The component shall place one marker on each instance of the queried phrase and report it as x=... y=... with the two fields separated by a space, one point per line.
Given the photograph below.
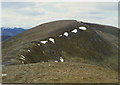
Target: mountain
x=53 y=41
x=10 y=32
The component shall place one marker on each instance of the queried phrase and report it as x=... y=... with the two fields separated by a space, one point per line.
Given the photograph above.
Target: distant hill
x=98 y=44
x=10 y=32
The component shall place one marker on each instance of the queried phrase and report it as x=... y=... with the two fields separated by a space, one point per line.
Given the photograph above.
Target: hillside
x=97 y=44
x=53 y=72
x=60 y=42
x=40 y=32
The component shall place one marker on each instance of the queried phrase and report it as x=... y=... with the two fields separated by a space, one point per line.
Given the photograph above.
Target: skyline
x=31 y=14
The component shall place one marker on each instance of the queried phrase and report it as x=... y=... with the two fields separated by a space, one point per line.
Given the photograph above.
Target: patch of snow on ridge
x=66 y=34
x=28 y=50
x=56 y=61
x=38 y=44
x=44 y=42
x=4 y=75
x=82 y=28
x=61 y=59
x=74 y=31
x=22 y=56
x=60 y=35
x=52 y=40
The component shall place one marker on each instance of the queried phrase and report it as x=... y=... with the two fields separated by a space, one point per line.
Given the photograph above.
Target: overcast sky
x=30 y=14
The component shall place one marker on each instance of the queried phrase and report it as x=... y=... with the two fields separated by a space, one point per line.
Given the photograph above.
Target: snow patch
x=38 y=44
x=82 y=28
x=44 y=42
x=52 y=40
x=22 y=56
x=28 y=50
x=56 y=61
x=60 y=35
x=74 y=31
x=61 y=59
x=3 y=75
x=66 y=34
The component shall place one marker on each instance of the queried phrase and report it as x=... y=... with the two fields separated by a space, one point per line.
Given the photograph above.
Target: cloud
x=107 y=6
x=30 y=14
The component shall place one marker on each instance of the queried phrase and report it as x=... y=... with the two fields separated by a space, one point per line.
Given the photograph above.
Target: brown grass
x=52 y=72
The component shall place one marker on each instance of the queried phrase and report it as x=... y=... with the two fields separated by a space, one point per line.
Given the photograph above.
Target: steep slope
x=12 y=46
x=97 y=44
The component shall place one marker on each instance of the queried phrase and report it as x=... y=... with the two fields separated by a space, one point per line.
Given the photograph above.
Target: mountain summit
x=64 y=40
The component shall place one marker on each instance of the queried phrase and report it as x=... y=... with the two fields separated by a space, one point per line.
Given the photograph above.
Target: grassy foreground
x=58 y=72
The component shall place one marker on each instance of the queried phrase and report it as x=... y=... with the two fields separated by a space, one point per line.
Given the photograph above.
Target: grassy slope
x=97 y=46
x=37 y=33
x=81 y=47
x=51 y=72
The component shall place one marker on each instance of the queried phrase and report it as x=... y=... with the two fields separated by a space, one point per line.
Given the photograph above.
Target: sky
x=31 y=14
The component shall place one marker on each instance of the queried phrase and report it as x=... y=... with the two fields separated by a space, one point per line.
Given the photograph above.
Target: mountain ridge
x=96 y=36
x=7 y=32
